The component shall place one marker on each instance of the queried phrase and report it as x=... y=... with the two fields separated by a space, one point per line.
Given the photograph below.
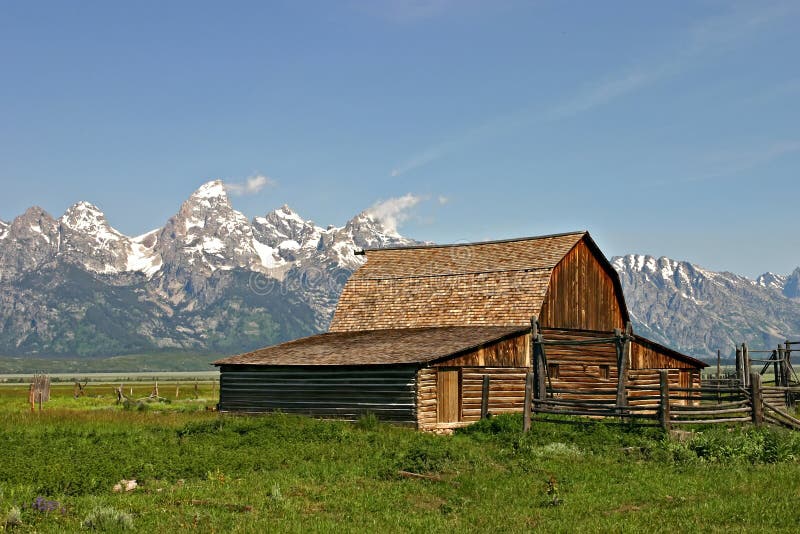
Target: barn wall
x=340 y=392
x=506 y=393
x=645 y=356
x=582 y=294
x=513 y=352
x=506 y=390
x=677 y=378
x=580 y=366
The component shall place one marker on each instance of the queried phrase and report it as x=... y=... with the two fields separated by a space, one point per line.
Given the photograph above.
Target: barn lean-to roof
x=488 y=283
x=376 y=347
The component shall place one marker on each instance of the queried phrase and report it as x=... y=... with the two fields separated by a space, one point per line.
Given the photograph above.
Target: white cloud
x=391 y=213
x=251 y=186
x=443 y=200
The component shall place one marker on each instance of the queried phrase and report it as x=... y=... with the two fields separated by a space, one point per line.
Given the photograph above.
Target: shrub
x=368 y=421
x=427 y=456
x=13 y=518
x=105 y=518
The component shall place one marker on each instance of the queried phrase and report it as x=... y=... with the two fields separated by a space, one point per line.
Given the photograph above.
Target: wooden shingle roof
x=375 y=347
x=490 y=283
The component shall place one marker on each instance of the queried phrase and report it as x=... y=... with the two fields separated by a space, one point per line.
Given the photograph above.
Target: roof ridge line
x=444 y=275
x=490 y=242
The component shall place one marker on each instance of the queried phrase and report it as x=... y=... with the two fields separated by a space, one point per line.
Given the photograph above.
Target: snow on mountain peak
x=771 y=280
x=87 y=218
x=211 y=191
x=3 y=229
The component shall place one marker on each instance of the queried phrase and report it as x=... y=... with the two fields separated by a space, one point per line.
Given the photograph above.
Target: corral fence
x=656 y=399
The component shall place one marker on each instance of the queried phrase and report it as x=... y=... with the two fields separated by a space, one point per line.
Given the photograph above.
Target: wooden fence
x=657 y=400
x=667 y=406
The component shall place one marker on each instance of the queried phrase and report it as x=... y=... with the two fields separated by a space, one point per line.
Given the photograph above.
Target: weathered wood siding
x=582 y=294
x=648 y=357
x=513 y=352
x=340 y=392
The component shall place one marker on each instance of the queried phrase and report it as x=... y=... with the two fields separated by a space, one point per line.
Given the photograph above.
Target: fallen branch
x=409 y=474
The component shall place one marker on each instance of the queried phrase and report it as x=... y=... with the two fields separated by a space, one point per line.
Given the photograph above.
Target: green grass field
x=199 y=470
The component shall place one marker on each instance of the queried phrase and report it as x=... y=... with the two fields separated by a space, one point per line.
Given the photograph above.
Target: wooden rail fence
x=741 y=399
x=668 y=406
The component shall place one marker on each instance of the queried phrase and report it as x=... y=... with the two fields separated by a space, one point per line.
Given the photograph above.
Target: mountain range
x=212 y=280
x=209 y=280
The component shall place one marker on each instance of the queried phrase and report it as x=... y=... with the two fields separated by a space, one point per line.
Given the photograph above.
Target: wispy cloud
x=394 y=211
x=729 y=163
x=251 y=186
x=704 y=39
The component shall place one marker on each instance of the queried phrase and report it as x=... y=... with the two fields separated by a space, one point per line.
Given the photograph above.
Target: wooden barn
x=418 y=328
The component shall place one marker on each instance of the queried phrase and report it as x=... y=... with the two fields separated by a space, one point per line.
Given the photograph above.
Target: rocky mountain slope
x=212 y=280
x=209 y=279
x=699 y=311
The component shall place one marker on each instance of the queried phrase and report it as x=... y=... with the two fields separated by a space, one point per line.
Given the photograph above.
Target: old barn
x=417 y=329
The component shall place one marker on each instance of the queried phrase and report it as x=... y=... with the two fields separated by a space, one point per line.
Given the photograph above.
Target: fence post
x=787 y=353
x=739 y=366
x=777 y=368
x=756 y=399
x=526 y=412
x=623 y=345
x=663 y=406
x=485 y=397
x=781 y=357
x=746 y=363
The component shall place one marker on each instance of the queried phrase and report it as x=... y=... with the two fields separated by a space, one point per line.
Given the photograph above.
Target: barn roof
x=376 y=347
x=461 y=284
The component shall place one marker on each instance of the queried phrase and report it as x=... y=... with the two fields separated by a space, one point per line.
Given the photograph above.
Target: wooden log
x=782 y=413
x=527 y=404
x=539 y=369
x=623 y=351
x=713 y=421
x=596 y=413
x=756 y=398
x=737 y=404
x=677 y=413
x=739 y=366
x=409 y=474
x=663 y=413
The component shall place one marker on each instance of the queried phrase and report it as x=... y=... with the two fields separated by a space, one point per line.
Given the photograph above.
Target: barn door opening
x=448 y=392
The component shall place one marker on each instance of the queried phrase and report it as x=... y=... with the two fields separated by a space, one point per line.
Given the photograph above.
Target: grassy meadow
x=200 y=470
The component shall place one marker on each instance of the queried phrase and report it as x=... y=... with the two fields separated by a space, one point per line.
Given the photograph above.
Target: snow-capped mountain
x=209 y=279
x=699 y=311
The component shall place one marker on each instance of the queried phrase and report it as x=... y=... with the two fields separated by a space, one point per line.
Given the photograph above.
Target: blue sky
x=668 y=128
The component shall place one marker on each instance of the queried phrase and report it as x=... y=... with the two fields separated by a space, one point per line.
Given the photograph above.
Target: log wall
x=506 y=393
x=580 y=367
